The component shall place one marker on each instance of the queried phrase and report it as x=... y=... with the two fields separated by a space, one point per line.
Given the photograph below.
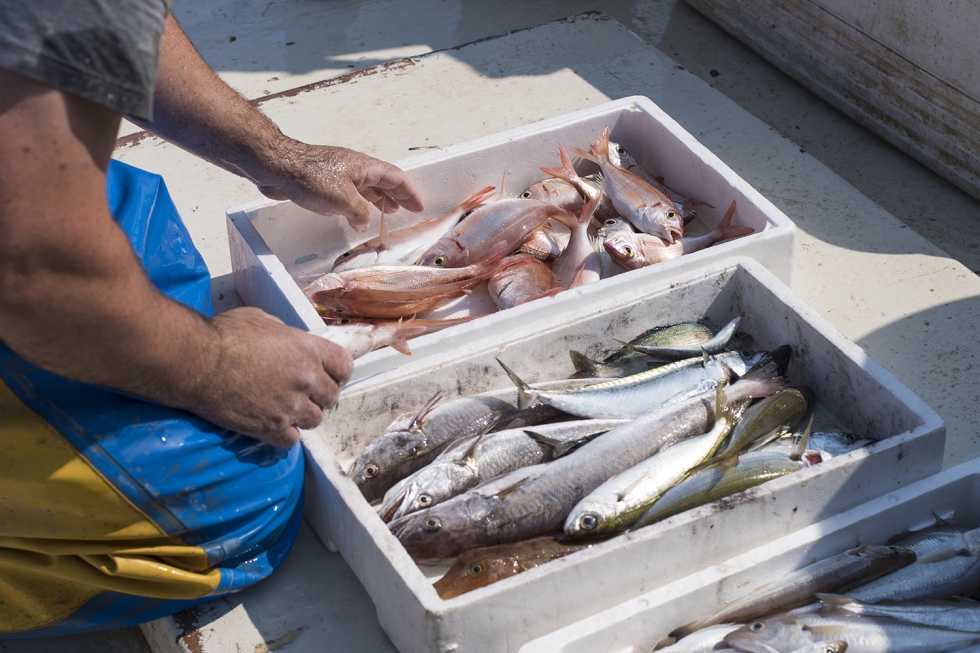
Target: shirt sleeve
x=105 y=51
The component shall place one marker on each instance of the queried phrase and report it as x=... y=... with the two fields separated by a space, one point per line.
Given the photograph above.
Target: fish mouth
x=391 y=511
x=672 y=231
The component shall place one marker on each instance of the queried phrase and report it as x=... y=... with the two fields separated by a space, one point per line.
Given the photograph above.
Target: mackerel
x=862 y=635
x=617 y=503
x=469 y=461
x=718 y=482
x=634 y=395
x=628 y=360
x=536 y=500
x=956 y=615
x=797 y=588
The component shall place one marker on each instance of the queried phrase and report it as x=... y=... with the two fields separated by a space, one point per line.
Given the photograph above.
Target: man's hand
x=269 y=380
x=338 y=181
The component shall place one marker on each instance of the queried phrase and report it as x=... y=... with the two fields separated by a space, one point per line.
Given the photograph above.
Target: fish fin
x=503 y=183
x=467 y=458
x=494 y=255
x=601 y=147
x=560 y=447
x=583 y=364
x=940 y=521
x=804 y=441
x=577 y=151
x=383 y=234
x=833 y=602
x=684 y=631
x=524 y=393
x=424 y=411
x=579 y=278
x=475 y=200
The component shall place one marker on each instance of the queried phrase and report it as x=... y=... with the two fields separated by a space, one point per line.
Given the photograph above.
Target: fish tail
x=524 y=393
x=726 y=229
x=566 y=171
x=577 y=151
x=584 y=365
x=476 y=200
x=601 y=147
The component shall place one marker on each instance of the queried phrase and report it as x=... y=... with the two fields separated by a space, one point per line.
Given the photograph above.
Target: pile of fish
x=907 y=597
x=620 y=218
x=671 y=420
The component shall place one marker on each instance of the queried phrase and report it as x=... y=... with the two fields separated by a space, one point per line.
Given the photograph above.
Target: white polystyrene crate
x=277 y=247
x=853 y=393
x=635 y=626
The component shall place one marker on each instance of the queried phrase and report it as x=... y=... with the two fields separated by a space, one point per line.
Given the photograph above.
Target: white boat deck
x=886 y=251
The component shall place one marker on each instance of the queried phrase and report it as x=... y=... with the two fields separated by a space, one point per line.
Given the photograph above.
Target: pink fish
x=632 y=250
x=521 y=278
x=641 y=203
x=508 y=220
x=405 y=246
x=579 y=263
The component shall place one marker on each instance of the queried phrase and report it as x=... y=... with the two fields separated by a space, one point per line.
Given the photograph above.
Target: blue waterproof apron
x=114 y=510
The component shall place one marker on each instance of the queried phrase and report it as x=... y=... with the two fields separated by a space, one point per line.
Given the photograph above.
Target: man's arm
x=194 y=109
x=75 y=300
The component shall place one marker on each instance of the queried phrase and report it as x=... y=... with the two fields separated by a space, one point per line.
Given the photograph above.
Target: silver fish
x=628 y=360
x=862 y=635
x=700 y=641
x=798 y=587
x=469 y=461
x=536 y=500
x=717 y=482
x=616 y=504
x=715 y=345
x=406 y=447
x=634 y=395
x=957 y=615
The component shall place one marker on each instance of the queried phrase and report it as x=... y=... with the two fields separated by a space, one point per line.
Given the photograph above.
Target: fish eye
x=432 y=524
x=526 y=194
x=475 y=569
x=671 y=214
x=628 y=250
x=338 y=310
x=610 y=222
x=745 y=352
x=439 y=260
x=345 y=255
x=620 y=149
x=588 y=521
x=345 y=320
x=371 y=470
x=757 y=627
x=424 y=499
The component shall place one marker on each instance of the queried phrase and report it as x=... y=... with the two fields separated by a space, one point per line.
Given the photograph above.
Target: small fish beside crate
x=853 y=393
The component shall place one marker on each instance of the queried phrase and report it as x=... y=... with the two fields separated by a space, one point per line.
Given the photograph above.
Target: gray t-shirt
x=105 y=51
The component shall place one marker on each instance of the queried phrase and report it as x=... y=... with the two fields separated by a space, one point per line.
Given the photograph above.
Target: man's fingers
x=287 y=438
x=336 y=360
x=309 y=416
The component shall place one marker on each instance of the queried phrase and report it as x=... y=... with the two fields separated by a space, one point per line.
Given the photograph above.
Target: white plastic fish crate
x=277 y=247
x=635 y=626
x=853 y=392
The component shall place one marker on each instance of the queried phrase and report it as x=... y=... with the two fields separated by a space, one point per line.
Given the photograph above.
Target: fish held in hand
x=405 y=246
x=507 y=221
x=359 y=339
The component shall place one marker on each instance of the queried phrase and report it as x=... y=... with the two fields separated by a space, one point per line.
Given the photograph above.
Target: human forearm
x=74 y=298
x=196 y=110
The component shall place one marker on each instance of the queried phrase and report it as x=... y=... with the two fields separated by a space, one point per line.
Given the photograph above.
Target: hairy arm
x=74 y=298
x=194 y=109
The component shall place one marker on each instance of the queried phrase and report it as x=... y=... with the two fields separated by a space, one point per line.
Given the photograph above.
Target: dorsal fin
x=383 y=234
